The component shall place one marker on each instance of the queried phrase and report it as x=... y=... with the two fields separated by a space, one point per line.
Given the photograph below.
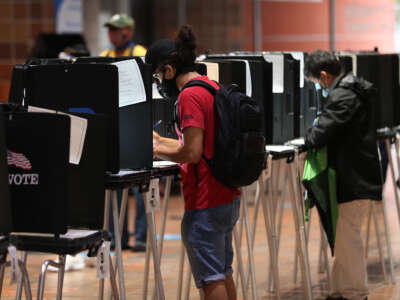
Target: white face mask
x=325 y=92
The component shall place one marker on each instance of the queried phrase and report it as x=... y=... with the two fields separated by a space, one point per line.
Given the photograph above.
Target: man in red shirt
x=211 y=208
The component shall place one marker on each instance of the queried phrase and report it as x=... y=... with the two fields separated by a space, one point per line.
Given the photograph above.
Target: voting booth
x=119 y=88
x=5 y=208
x=383 y=71
x=279 y=86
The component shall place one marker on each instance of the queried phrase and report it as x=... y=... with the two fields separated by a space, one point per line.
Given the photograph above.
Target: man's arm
x=170 y=149
x=332 y=120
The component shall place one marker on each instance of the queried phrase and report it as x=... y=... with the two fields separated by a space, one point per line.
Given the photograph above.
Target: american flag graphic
x=19 y=160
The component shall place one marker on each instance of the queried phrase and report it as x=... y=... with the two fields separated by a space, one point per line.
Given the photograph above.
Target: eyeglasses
x=157 y=79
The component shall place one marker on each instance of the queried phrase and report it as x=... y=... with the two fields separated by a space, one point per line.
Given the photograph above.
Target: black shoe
x=123 y=247
x=340 y=298
x=139 y=248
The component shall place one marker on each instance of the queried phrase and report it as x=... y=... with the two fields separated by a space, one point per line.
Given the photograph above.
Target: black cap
x=158 y=52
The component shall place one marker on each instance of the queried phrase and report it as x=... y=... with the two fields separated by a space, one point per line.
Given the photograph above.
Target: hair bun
x=185 y=44
x=186 y=39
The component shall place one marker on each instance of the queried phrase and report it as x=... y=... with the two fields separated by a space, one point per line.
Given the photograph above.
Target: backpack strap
x=203 y=84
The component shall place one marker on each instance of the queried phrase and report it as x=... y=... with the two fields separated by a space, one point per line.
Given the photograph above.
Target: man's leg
x=230 y=288
x=349 y=267
x=140 y=222
x=216 y=291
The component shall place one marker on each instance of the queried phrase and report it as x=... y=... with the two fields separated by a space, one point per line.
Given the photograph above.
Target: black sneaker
x=340 y=298
x=139 y=248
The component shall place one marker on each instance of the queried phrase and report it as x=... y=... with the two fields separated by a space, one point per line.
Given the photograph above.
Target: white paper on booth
x=249 y=91
x=77 y=135
x=278 y=148
x=163 y=163
x=277 y=71
x=300 y=56
x=130 y=83
x=212 y=70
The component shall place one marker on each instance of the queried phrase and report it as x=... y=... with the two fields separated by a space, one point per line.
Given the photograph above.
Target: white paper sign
x=130 y=83
x=15 y=270
x=279 y=148
x=77 y=134
x=277 y=71
x=163 y=163
x=69 y=16
x=300 y=56
x=103 y=261
x=153 y=196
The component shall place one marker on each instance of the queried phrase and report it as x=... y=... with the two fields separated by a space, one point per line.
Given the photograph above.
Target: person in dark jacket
x=346 y=127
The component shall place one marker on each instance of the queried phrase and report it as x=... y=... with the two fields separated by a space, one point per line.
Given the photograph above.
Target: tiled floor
x=83 y=285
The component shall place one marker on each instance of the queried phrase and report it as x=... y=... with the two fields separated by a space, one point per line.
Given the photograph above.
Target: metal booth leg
x=60 y=282
x=146 y=268
x=267 y=211
x=118 y=249
x=300 y=233
x=167 y=193
x=20 y=280
x=156 y=263
x=391 y=165
x=240 y=261
x=249 y=246
x=113 y=282
x=42 y=277
x=2 y=268
x=25 y=279
x=180 y=273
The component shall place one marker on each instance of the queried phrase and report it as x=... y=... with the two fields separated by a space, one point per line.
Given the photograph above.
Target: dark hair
x=321 y=60
x=184 y=56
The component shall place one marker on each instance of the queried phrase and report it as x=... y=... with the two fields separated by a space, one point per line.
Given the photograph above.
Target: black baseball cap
x=158 y=52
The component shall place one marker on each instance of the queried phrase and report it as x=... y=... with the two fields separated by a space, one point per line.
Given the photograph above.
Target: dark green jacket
x=346 y=126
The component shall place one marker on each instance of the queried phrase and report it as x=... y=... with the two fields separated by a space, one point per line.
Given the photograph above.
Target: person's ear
x=169 y=72
x=323 y=76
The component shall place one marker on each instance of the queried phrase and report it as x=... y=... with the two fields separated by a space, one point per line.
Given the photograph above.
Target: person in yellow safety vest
x=120 y=32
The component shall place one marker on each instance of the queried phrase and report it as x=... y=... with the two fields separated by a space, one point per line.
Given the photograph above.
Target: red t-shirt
x=196 y=109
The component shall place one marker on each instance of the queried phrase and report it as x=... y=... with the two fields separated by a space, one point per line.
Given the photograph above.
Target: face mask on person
x=325 y=92
x=167 y=87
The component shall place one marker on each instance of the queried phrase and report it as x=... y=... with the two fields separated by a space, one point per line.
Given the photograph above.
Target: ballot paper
x=296 y=142
x=212 y=70
x=130 y=83
x=277 y=71
x=278 y=148
x=77 y=136
x=163 y=163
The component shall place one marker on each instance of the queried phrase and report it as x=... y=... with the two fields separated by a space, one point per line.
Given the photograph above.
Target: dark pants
x=140 y=220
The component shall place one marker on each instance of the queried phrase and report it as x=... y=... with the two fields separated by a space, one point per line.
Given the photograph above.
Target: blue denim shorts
x=207 y=236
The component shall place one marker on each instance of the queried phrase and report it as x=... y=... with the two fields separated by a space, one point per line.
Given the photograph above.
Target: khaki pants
x=349 y=273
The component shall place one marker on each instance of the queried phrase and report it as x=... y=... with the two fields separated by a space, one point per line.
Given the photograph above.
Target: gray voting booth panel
x=282 y=109
x=49 y=193
x=5 y=206
x=92 y=84
x=38 y=149
x=383 y=71
x=135 y=121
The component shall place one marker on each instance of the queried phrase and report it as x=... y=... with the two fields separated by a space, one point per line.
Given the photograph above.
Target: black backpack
x=239 y=143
